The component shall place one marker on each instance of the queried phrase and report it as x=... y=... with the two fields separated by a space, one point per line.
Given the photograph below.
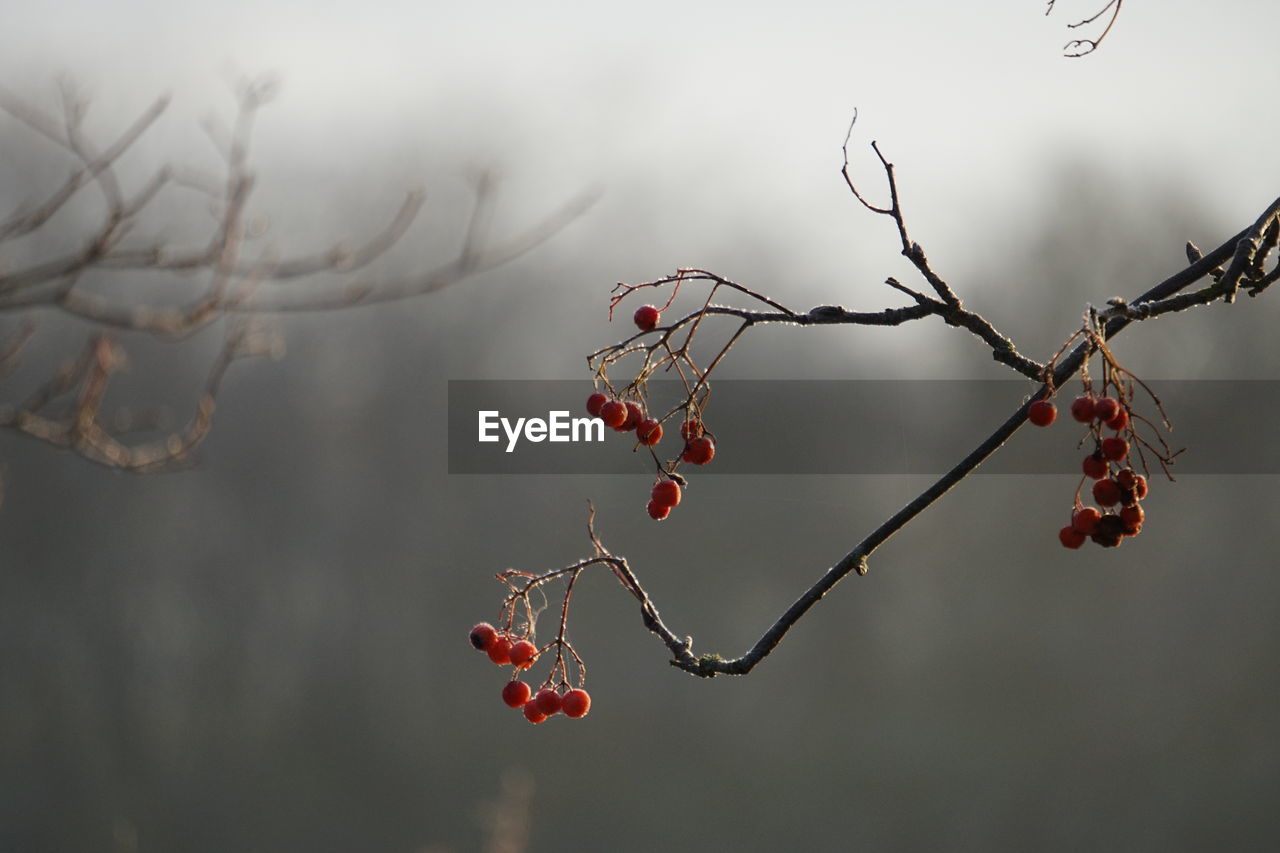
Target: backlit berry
x=1070 y=537
x=576 y=703
x=594 y=403
x=483 y=636
x=646 y=317
x=1042 y=413
x=1127 y=478
x=635 y=415
x=516 y=693
x=548 y=701
x=1106 y=493
x=523 y=654
x=500 y=651
x=1085 y=519
x=1095 y=467
x=649 y=431
x=1140 y=487
x=657 y=511
x=666 y=493
x=532 y=713
x=1132 y=516
x=691 y=429
x=613 y=413
x=1119 y=422
x=1082 y=409
x=700 y=451
x=1115 y=448
x=1106 y=408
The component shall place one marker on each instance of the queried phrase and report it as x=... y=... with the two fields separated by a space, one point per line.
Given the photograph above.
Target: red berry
x=1119 y=422
x=594 y=402
x=1070 y=537
x=1115 y=448
x=635 y=415
x=576 y=703
x=548 y=701
x=1132 y=516
x=532 y=713
x=666 y=493
x=483 y=636
x=1042 y=413
x=649 y=431
x=1085 y=519
x=1109 y=532
x=646 y=317
x=613 y=413
x=1127 y=478
x=1082 y=409
x=657 y=511
x=523 y=654
x=1140 y=487
x=1106 y=408
x=515 y=693
x=1095 y=467
x=700 y=451
x=691 y=429
x=1106 y=493
x=500 y=651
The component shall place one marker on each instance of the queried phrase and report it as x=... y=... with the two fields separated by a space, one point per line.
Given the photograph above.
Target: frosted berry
x=594 y=403
x=646 y=317
x=700 y=451
x=483 y=636
x=649 y=431
x=532 y=713
x=1085 y=519
x=657 y=511
x=691 y=429
x=576 y=703
x=523 y=654
x=1082 y=409
x=666 y=493
x=548 y=701
x=1106 y=493
x=516 y=693
x=500 y=651
x=613 y=413
x=1070 y=537
x=1095 y=467
x=1042 y=413
x=635 y=415
x=1106 y=408
x=1115 y=448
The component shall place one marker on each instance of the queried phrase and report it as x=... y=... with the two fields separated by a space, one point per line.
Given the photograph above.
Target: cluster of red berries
x=625 y=417
x=699 y=449
x=522 y=654
x=1117 y=488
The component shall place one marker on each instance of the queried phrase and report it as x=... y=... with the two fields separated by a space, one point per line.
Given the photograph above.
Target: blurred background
x=268 y=652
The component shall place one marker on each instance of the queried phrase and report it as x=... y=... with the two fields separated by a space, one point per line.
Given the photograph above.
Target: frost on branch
x=668 y=340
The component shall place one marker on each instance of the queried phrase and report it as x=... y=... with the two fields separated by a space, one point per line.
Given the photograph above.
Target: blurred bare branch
x=232 y=291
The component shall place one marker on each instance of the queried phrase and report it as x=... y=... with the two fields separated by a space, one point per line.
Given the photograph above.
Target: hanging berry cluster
x=513 y=642
x=1113 y=440
x=625 y=409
